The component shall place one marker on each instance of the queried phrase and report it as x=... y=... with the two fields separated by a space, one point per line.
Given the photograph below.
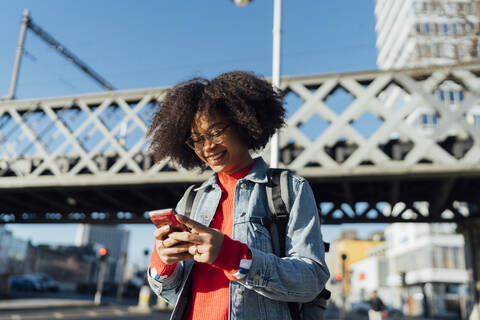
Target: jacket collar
x=257 y=174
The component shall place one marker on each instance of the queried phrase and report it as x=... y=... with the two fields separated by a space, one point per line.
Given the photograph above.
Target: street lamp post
x=277 y=35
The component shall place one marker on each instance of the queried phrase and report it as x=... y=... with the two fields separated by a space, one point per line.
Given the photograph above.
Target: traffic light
x=103 y=252
x=338 y=277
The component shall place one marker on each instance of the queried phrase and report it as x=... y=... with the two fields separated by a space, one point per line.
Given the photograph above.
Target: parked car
x=362 y=307
x=33 y=282
x=23 y=283
x=47 y=283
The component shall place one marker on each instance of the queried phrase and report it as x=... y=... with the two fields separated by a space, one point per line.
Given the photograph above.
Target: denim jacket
x=271 y=281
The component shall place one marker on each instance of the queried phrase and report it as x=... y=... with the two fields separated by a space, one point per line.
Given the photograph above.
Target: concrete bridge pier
x=471 y=231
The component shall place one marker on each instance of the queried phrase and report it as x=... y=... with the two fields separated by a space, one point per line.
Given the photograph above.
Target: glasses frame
x=216 y=138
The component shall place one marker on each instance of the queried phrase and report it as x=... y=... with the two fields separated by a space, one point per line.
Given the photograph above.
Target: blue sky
x=150 y=43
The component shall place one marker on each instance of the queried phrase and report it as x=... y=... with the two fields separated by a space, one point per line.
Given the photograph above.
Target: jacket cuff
x=234 y=259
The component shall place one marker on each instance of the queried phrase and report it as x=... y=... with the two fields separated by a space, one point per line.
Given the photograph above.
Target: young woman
x=227 y=253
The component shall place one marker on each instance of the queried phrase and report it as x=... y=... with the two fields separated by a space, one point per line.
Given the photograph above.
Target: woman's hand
x=204 y=243
x=168 y=249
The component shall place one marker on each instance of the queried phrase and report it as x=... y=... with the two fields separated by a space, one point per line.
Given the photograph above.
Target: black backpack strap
x=277 y=222
x=279 y=205
x=189 y=198
x=192 y=196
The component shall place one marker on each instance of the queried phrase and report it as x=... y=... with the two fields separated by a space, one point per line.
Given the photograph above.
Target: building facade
x=114 y=239
x=371 y=274
x=422 y=33
x=345 y=251
x=427 y=267
x=13 y=251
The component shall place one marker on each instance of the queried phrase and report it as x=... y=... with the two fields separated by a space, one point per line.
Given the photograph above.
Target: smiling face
x=227 y=153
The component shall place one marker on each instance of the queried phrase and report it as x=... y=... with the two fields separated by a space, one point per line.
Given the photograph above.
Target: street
x=80 y=313
x=61 y=305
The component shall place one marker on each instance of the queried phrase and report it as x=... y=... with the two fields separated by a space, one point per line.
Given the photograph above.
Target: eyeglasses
x=215 y=136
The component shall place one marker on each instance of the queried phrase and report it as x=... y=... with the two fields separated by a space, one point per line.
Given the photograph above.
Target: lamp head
x=241 y=3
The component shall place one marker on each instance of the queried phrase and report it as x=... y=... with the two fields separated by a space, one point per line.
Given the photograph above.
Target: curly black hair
x=248 y=101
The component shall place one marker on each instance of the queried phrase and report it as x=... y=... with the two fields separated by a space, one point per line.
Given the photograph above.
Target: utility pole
x=18 y=57
x=344 y=286
x=27 y=23
x=123 y=262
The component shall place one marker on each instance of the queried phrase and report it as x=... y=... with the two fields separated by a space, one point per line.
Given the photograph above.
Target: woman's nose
x=208 y=144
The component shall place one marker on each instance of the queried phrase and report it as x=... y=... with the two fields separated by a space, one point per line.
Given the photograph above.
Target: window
x=447 y=257
x=424 y=50
x=437 y=257
x=428 y=120
x=425 y=7
x=469 y=27
x=418 y=7
x=426 y=28
x=438 y=49
x=451 y=94
x=441 y=95
x=476 y=120
x=445 y=28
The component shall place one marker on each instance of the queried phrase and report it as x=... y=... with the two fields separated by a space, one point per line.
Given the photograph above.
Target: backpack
x=279 y=205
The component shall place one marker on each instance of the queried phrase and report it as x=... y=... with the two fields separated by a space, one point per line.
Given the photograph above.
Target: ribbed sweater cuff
x=158 y=269
x=234 y=259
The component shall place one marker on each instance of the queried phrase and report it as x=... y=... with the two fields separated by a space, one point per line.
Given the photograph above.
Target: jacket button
x=256 y=277
x=243 y=186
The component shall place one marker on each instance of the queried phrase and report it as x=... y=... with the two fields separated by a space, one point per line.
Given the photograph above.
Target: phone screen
x=165 y=216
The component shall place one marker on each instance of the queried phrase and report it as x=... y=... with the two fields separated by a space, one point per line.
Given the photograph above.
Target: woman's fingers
x=204 y=243
x=187 y=237
x=192 y=224
x=162 y=232
x=171 y=259
x=173 y=254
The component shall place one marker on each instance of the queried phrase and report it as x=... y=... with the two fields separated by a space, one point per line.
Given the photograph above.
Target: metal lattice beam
x=76 y=156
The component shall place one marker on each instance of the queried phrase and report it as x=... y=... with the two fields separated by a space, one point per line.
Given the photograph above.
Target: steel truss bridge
x=355 y=137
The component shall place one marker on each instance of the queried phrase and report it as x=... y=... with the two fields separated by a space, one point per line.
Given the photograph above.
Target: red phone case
x=164 y=216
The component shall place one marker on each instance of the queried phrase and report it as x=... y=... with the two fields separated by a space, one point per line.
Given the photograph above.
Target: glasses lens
x=213 y=137
x=190 y=143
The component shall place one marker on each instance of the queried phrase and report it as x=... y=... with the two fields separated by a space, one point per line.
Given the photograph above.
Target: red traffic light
x=338 y=277
x=102 y=252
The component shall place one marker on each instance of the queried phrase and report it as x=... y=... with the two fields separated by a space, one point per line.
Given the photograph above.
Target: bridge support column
x=471 y=232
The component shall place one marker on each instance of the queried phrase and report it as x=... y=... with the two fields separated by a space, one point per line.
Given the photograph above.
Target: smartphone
x=166 y=216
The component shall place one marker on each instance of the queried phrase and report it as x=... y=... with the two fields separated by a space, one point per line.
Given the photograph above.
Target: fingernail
x=165 y=228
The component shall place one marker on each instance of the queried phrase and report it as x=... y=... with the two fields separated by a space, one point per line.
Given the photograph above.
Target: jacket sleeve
x=169 y=287
x=302 y=274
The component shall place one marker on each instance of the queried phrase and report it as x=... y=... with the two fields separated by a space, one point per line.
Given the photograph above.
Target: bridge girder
x=84 y=158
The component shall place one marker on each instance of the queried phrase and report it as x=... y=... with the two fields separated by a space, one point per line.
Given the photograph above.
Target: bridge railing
x=382 y=119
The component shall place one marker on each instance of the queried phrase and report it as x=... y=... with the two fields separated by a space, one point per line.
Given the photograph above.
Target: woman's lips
x=216 y=157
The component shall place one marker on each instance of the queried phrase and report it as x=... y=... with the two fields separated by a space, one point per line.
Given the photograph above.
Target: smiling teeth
x=216 y=156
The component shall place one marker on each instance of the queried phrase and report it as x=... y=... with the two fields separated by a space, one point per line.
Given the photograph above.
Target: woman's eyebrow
x=215 y=125
x=210 y=127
